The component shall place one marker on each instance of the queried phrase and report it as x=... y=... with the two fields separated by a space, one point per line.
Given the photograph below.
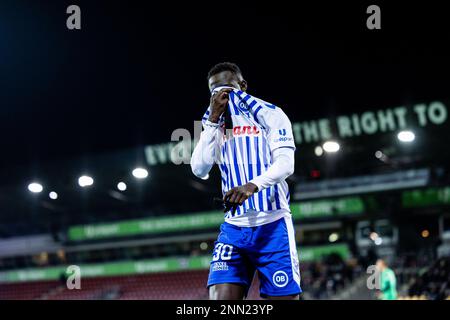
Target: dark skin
x=237 y=195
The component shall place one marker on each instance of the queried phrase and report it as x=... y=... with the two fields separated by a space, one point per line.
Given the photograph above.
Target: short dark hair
x=224 y=66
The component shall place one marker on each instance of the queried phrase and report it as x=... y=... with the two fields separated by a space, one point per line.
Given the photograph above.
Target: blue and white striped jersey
x=245 y=151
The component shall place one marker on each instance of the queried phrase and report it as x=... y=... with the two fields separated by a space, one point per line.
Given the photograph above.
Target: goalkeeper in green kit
x=388 y=281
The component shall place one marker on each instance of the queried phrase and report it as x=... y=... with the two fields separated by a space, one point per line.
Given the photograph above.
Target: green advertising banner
x=204 y=220
x=426 y=197
x=306 y=254
x=327 y=208
x=147 y=226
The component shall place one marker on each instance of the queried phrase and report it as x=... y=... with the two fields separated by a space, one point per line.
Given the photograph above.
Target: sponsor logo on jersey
x=245 y=130
x=219 y=266
x=283 y=139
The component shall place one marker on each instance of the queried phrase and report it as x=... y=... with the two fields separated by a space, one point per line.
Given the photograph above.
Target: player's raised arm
x=204 y=155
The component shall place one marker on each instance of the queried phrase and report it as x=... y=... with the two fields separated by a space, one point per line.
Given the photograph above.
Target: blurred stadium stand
x=432 y=282
x=176 y=286
x=189 y=285
x=330 y=279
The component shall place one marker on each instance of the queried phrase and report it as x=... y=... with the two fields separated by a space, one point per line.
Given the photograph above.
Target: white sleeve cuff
x=258 y=183
x=209 y=124
x=209 y=131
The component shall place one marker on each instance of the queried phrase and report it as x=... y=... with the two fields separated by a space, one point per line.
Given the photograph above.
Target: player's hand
x=236 y=196
x=218 y=103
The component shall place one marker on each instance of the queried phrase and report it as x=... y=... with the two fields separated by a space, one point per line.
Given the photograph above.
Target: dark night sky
x=135 y=72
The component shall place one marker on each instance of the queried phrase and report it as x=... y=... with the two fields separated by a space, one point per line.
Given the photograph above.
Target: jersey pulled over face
x=245 y=150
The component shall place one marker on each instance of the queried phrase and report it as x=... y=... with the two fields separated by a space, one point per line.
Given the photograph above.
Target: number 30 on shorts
x=222 y=251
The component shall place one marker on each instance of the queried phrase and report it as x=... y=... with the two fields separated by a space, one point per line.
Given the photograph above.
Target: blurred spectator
x=388 y=281
x=434 y=282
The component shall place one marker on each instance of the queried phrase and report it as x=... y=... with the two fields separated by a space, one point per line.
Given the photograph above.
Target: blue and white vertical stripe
x=247 y=154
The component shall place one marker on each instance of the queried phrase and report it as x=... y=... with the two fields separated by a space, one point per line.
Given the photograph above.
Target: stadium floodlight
x=378 y=241
x=53 y=195
x=333 y=237
x=373 y=236
x=381 y=156
x=331 y=146
x=122 y=186
x=406 y=136
x=140 y=173
x=318 y=151
x=35 y=187
x=85 y=181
